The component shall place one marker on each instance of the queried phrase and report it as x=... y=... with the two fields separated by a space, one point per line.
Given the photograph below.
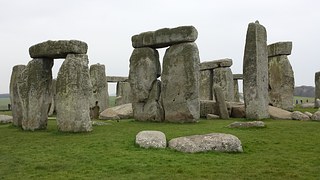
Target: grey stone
x=151 y=139
x=255 y=72
x=223 y=78
x=57 y=49
x=317 y=103
x=116 y=78
x=165 y=37
x=98 y=123
x=180 y=83
x=279 y=48
x=238 y=111
x=278 y=113
x=74 y=92
x=206 y=82
x=236 y=95
x=212 y=116
x=250 y=124
x=123 y=93
x=297 y=115
x=307 y=105
x=208 y=107
x=52 y=106
x=35 y=93
x=316 y=116
x=317 y=88
x=219 y=96
x=219 y=142
x=281 y=82
x=5 y=119
x=207 y=65
x=123 y=111
x=237 y=76
x=100 y=96
x=308 y=114
x=16 y=105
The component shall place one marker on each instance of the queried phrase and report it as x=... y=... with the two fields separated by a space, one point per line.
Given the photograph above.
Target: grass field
x=283 y=150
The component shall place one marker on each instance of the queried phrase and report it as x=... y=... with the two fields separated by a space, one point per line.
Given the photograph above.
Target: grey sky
x=107 y=27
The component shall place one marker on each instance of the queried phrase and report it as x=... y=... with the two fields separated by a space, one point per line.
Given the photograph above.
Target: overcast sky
x=107 y=26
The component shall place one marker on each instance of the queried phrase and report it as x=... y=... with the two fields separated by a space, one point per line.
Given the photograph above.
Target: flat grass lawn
x=282 y=150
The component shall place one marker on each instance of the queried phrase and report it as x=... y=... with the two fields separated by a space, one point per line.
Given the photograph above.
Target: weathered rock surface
x=317 y=88
x=279 y=48
x=316 y=116
x=278 y=113
x=123 y=111
x=307 y=105
x=100 y=96
x=74 y=92
x=206 y=82
x=250 y=124
x=236 y=90
x=297 y=115
x=35 y=92
x=308 y=114
x=255 y=72
x=209 y=65
x=57 y=49
x=16 y=105
x=222 y=106
x=165 y=37
x=5 y=119
x=209 y=142
x=151 y=139
x=180 y=83
x=123 y=93
x=212 y=116
x=52 y=107
x=238 y=111
x=223 y=78
x=116 y=79
x=281 y=82
x=208 y=107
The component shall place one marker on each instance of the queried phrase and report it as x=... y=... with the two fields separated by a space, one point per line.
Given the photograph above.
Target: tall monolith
x=99 y=83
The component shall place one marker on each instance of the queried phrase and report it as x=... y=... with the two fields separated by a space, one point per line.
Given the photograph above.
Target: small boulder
x=308 y=114
x=212 y=116
x=258 y=124
x=5 y=119
x=238 y=111
x=123 y=111
x=151 y=139
x=307 y=105
x=278 y=113
x=297 y=115
x=209 y=142
x=316 y=116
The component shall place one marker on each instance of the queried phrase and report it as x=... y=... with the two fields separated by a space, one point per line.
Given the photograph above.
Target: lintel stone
x=279 y=48
x=117 y=78
x=215 y=64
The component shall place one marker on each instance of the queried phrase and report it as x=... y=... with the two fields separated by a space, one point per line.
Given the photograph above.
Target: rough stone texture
x=58 y=49
x=279 y=48
x=116 y=78
x=52 y=108
x=123 y=93
x=209 y=65
x=212 y=116
x=100 y=96
x=281 y=82
x=297 y=115
x=236 y=95
x=165 y=37
x=16 y=105
x=123 y=111
x=237 y=76
x=5 y=119
x=257 y=124
x=255 y=72
x=206 y=82
x=223 y=78
x=209 y=142
x=208 y=107
x=180 y=83
x=317 y=88
x=219 y=96
x=278 y=113
x=238 y=111
x=316 y=116
x=308 y=114
x=35 y=92
x=74 y=92
x=317 y=103
x=151 y=139
x=307 y=105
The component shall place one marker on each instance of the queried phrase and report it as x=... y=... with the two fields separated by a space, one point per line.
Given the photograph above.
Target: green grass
x=304 y=99
x=112 y=100
x=283 y=150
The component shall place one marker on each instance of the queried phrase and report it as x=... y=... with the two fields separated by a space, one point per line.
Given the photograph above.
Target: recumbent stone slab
x=151 y=139
x=57 y=49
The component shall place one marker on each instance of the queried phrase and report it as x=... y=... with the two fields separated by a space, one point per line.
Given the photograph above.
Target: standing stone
x=100 y=96
x=74 y=92
x=144 y=71
x=281 y=82
x=223 y=77
x=236 y=90
x=35 y=93
x=123 y=93
x=206 y=82
x=16 y=105
x=255 y=72
x=317 y=89
x=180 y=83
x=52 y=108
x=219 y=96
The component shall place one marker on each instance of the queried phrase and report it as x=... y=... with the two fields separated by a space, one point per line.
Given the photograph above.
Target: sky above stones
x=107 y=27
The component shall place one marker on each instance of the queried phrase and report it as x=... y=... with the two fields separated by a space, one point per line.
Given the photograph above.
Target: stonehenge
x=123 y=89
x=317 y=89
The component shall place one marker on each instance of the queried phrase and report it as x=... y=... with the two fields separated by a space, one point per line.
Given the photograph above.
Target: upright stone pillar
x=255 y=72
x=236 y=78
x=16 y=105
x=100 y=96
x=281 y=78
x=52 y=109
x=206 y=84
x=317 y=88
x=35 y=93
x=123 y=93
x=74 y=92
x=180 y=83
x=223 y=77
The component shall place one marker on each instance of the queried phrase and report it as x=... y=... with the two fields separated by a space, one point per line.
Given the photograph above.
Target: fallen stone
x=251 y=124
x=297 y=115
x=316 y=116
x=307 y=105
x=308 y=114
x=209 y=65
x=5 y=119
x=165 y=37
x=151 y=139
x=212 y=116
x=238 y=111
x=279 y=48
x=208 y=107
x=123 y=111
x=209 y=142
x=278 y=113
x=57 y=49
